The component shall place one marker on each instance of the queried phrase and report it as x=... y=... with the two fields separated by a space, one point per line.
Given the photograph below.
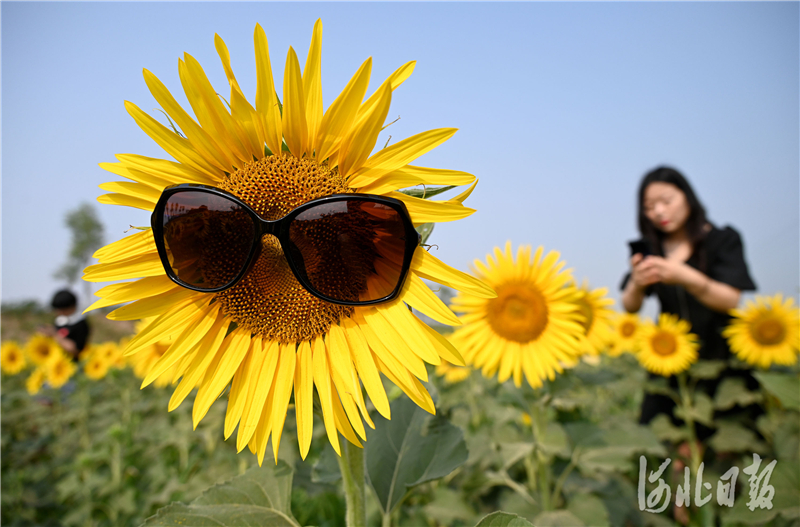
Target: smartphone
x=640 y=247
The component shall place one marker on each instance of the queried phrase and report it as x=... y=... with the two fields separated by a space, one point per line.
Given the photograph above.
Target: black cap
x=64 y=299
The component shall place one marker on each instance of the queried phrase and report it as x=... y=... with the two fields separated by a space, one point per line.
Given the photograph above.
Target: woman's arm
x=634 y=292
x=711 y=293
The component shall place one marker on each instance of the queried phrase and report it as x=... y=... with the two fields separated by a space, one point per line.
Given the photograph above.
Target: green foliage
x=503 y=519
x=87 y=237
x=104 y=453
x=413 y=448
x=260 y=496
x=785 y=387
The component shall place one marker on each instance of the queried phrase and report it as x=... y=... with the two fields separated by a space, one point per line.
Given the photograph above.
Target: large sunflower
x=597 y=330
x=765 y=331
x=667 y=348
x=532 y=327
x=267 y=337
x=12 y=360
x=626 y=334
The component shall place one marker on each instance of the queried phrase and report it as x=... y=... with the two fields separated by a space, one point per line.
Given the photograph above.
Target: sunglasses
x=350 y=249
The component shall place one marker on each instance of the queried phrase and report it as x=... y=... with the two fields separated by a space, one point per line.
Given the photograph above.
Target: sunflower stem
x=351 y=465
x=686 y=404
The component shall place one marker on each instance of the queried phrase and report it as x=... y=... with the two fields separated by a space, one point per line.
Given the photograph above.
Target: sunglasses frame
x=280 y=229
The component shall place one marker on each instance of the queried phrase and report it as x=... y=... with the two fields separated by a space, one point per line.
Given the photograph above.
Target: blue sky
x=562 y=107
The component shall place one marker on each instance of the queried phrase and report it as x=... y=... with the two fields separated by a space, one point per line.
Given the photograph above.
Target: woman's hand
x=654 y=269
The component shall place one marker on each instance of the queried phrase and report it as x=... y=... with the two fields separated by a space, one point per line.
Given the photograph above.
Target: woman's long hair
x=695 y=223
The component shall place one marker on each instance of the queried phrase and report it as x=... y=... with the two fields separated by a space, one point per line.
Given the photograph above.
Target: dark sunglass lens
x=207 y=238
x=350 y=250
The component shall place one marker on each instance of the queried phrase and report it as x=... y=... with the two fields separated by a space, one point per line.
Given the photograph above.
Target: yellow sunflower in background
x=96 y=366
x=59 y=370
x=452 y=374
x=597 y=329
x=109 y=352
x=267 y=337
x=667 y=348
x=34 y=381
x=42 y=349
x=143 y=361
x=626 y=334
x=765 y=332
x=12 y=360
x=532 y=327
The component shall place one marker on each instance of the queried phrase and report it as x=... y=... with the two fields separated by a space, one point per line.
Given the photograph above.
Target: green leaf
x=702 y=410
x=412 y=448
x=426 y=192
x=425 y=230
x=589 y=509
x=503 y=519
x=662 y=427
x=733 y=437
x=786 y=387
x=557 y=519
x=707 y=369
x=554 y=440
x=326 y=469
x=448 y=505
x=732 y=392
x=261 y=496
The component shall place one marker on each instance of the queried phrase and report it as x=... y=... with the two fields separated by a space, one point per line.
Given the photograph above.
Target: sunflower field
x=83 y=445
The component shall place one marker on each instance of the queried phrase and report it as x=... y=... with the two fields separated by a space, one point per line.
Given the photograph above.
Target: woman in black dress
x=697 y=271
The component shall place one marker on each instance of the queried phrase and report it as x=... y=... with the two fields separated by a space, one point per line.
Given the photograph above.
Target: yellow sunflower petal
x=322 y=380
x=410 y=176
x=342 y=112
x=175 y=145
x=361 y=139
x=304 y=397
x=195 y=134
x=153 y=305
x=367 y=370
x=168 y=170
x=220 y=372
x=312 y=85
x=283 y=391
x=115 y=294
x=126 y=201
x=295 y=126
x=393 y=81
x=400 y=154
x=237 y=395
x=426 y=265
x=266 y=98
x=147 y=264
x=260 y=387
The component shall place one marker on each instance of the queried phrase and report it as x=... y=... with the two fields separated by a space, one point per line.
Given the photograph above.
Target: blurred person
x=696 y=270
x=70 y=329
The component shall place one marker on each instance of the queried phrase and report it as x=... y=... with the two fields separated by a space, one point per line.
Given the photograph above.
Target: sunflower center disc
x=519 y=313
x=769 y=332
x=269 y=300
x=664 y=344
x=627 y=329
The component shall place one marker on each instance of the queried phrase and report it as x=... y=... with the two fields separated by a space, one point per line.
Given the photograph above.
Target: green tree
x=87 y=237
